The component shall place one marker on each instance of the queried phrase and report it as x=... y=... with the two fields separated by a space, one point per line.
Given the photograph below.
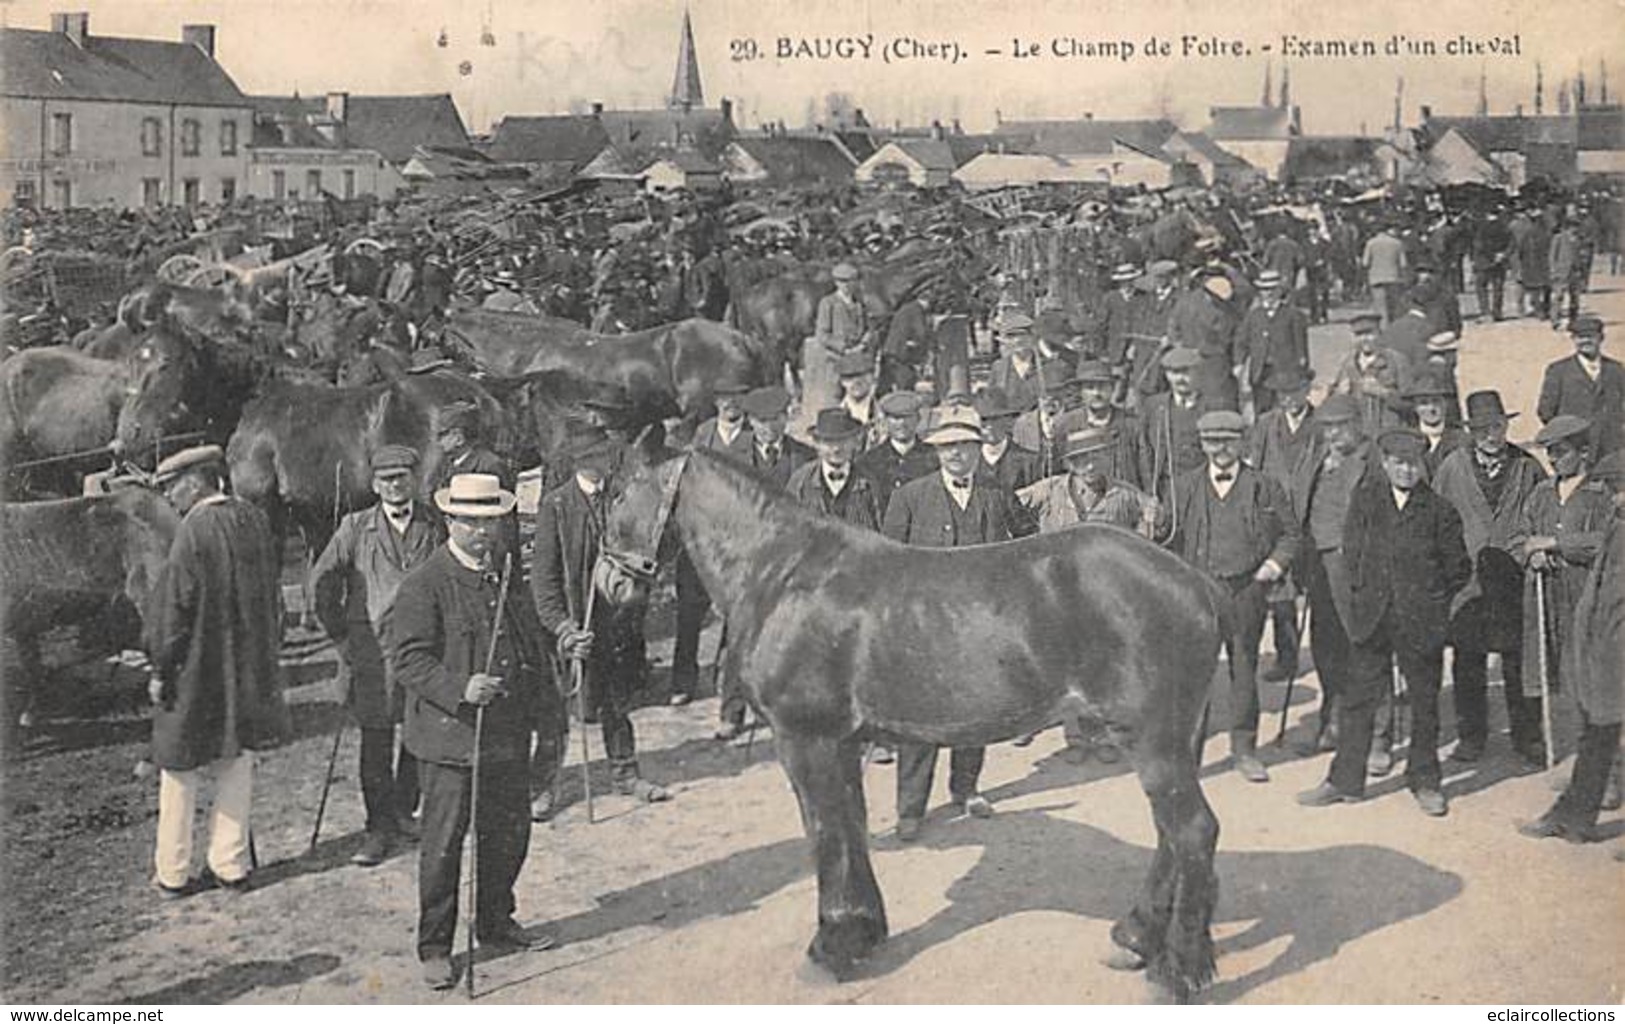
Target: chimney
x=958 y=129
x=936 y=130
x=200 y=36
x=597 y=108
x=726 y=105
x=338 y=106
x=75 y=25
x=1427 y=113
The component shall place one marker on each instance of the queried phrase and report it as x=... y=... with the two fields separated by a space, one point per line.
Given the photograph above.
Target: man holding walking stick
x=445 y=616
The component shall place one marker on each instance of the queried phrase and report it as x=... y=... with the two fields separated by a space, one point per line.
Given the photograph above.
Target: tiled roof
x=566 y=138
x=1505 y=133
x=706 y=129
x=49 y=65
x=799 y=158
x=1089 y=136
x=396 y=125
x=1602 y=127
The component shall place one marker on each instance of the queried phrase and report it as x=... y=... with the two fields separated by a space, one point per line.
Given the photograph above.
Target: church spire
x=1286 y=87
x=685 y=85
x=1483 y=94
x=1268 y=70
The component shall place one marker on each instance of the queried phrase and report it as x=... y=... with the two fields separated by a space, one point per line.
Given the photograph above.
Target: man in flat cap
x=1374 y=375
x=444 y=627
x=355 y=582
x=1273 y=338
x=570 y=524
x=728 y=435
x=1016 y=372
x=461 y=436
x=212 y=632
x=1235 y=524
x=1096 y=385
x=773 y=453
x=949 y=508
x=1276 y=443
x=856 y=373
x=1589 y=385
x=900 y=457
x=841 y=326
x=1594 y=660
x=1488 y=481
x=1406 y=561
x=1169 y=442
x=1557 y=540
x=1321 y=487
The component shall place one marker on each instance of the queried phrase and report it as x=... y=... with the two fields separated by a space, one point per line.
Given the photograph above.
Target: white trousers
x=228 y=820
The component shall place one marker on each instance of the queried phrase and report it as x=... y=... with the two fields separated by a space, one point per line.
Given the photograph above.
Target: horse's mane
x=767 y=502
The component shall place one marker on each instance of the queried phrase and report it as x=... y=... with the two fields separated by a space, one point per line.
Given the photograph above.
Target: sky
x=552 y=57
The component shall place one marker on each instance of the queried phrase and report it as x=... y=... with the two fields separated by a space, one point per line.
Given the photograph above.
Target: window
x=349 y=184
x=279 y=184
x=23 y=194
x=190 y=133
x=62 y=194
x=228 y=189
x=313 y=182
x=228 y=138
x=152 y=193
x=61 y=134
x=189 y=192
x=152 y=137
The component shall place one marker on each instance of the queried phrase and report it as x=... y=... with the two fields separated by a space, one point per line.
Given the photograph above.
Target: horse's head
x=643 y=494
x=160 y=369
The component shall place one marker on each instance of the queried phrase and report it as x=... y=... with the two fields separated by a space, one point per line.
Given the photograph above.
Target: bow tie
x=836 y=478
x=959 y=484
x=1225 y=477
x=770 y=453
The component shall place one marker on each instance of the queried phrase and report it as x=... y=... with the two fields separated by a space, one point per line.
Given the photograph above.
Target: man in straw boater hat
x=1488 y=482
x=607 y=636
x=1406 y=564
x=951 y=508
x=212 y=631
x=1273 y=338
x=355 y=582
x=1596 y=647
x=1235 y=524
x=1127 y=318
x=462 y=665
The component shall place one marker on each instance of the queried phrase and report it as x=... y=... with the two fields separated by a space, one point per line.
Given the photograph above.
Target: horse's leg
x=1169 y=928
x=828 y=777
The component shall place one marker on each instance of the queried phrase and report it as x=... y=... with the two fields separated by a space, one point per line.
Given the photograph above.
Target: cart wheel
x=215 y=275
x=178 y=269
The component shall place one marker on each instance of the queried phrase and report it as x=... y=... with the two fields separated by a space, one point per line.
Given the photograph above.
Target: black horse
x=837 y=634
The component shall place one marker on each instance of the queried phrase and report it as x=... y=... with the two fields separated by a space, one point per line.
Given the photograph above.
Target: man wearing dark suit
x=773 y=453
x=444 y=622
x=1130 y=463
x=1273 y=338
x=1406 y=563
x=1203 y=323
x=1276 y=443
x=1589 y=385
x=1432 y=396
x=1017 y=372
x=948 y=509
x=1235 y=524
x=900 y=457
x=1144 y=369
x=355 y=582
x=570 y=523
x=1488 y=481
x=830 y=484
x=727 y=434
x=1169 y=443
x=1126 y=319
x=1321 y=486
x=1008 y=464
x=1409 y=333
x=462 y=440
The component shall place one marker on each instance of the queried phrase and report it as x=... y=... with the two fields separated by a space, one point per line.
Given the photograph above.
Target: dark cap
x=394 y=460
x=993 y=403
x=1562 y=428
x=766 y=403
x=1403 y=442
x=1093 y=371
x=1288 y=378
x=1484 y=408
x=1371 y=321
x=1586 y=327
x=1180 y=358
x=1429 y=385
x=854 y=364
x=1220 y=424
x=464 y=416
x=901 y=403
x=1338 y=408
x=729 y=388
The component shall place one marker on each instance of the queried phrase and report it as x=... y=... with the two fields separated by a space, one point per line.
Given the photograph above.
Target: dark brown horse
x=837 y=634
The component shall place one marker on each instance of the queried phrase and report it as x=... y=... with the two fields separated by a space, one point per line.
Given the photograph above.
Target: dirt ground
x=710 y=898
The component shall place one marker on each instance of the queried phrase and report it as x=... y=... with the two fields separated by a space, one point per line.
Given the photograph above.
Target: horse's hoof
x=841 y=944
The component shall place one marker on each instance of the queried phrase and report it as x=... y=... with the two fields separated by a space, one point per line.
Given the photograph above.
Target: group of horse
x=836 y=635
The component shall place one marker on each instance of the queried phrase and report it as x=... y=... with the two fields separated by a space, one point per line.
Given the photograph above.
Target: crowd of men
x=1377 y=511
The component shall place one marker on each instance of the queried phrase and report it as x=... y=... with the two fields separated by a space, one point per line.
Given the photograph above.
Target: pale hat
x=186 y=459
x=954 y=424
x=475 y=495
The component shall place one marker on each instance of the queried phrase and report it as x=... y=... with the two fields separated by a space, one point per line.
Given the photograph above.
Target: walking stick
x=474 y=778
x=1286 y=701
x=1545 y=677
x=578 y=674
x=338 y=734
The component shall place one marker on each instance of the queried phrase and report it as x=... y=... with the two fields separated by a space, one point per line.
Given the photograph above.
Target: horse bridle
x=645 y=564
